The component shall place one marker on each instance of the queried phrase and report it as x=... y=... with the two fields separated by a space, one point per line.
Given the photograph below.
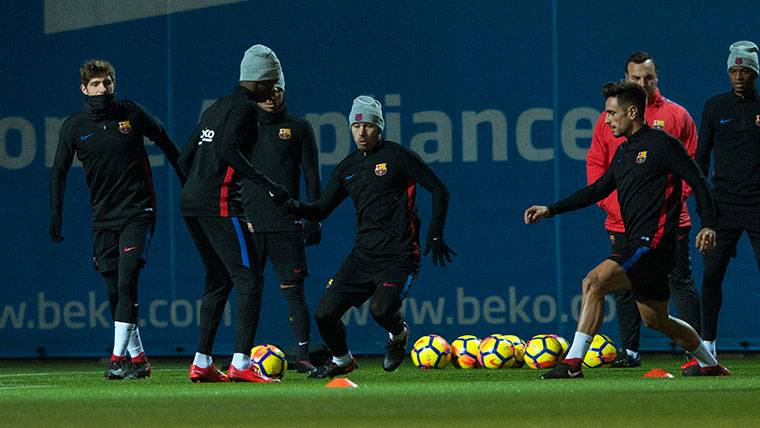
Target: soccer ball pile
x=269 y=360
x=498 y=351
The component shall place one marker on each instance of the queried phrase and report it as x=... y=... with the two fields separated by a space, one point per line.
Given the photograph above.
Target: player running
x=381 y=178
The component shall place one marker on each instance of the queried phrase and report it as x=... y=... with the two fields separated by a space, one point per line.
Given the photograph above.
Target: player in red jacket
x=661 y=113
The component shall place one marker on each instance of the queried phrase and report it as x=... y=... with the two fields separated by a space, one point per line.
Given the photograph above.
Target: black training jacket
x=647 y=170
x=215 y=158
x=730 y=129
x=108 y=140
x=285 y=147
x=382 y=184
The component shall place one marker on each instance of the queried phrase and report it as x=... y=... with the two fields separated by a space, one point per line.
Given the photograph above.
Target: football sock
x=710 y=345
x=139 y=358
x=202 y=360
x=704 y=357
x=343 y=360
x=398 y=337
x=581 y=343
x=121 y=333
x=303 y=350
x=241 y=361
x=135 y=346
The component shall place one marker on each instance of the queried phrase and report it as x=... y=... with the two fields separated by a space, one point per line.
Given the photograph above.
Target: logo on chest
x=641 y=157
x=381 y=169
x=125 y=127
x=284 y=134
x=658 y=124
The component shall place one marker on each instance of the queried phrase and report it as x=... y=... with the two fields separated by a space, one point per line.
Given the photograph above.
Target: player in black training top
x=381 y=178
x=730 y=132
x=107 y=137
x=285 y=147
x=215 y=161
x=647 y=170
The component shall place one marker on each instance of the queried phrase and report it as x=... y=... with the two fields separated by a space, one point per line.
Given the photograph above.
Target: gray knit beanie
x=743 y=54
x=368 y=110
x=259 y=63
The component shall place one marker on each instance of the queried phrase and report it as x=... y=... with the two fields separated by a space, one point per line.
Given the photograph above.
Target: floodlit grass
x=74 y=393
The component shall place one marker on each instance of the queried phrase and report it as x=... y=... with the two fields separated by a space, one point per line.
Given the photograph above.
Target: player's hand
x=441 y=252
x=312 y=233
x=535 y=213
x=706 y=239
x=55 y=230
x=279 y=194
x=292 y=206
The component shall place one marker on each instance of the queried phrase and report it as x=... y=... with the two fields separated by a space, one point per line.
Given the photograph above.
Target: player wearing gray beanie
x=367 y=110
x=259 y=63
x=743 y=54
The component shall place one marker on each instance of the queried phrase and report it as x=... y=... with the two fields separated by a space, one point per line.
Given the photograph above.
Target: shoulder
x=717 y=100
x=675 y=108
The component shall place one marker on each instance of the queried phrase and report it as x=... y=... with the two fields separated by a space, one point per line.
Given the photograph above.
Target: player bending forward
x=646 y=170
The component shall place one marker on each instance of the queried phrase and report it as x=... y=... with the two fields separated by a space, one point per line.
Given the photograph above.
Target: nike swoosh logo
x=574 y=374
x=84 y=137
x=725 y=121
x=270 y=193
x=128 y=249
x=349 y=177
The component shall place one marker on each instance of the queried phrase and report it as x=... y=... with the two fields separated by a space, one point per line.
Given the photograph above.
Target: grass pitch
x=74 y=393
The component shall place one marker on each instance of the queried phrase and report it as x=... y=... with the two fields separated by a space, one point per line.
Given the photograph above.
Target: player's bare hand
x=535 y=213
x=706 y=239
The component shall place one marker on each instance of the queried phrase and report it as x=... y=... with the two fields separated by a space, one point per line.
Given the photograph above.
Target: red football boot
x=209 y=374
x=248 y=375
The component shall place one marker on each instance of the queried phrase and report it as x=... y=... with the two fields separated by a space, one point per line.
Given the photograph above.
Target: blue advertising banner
x=498 y=97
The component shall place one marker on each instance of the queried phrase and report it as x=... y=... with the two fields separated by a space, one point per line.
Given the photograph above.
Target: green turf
x=65 y=393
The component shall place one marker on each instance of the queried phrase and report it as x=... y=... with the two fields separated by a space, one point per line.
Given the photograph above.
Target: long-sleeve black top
x=647 y=170
x=285 y=147
x=107 y=137
x=382 y=184
x=215 y=158
x=730 y=130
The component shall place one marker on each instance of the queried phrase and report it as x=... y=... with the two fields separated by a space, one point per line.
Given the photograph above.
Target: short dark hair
x=639 y=57
x=627 y=94
x=94 y=68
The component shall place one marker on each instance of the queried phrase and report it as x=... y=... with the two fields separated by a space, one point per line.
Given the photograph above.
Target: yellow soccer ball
x=496 y=352
x=542 y=351
x=601 y=353
x=464 y=352
x=269 y=360
x=431 y=352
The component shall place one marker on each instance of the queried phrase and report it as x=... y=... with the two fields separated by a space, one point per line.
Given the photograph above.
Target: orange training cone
x=341 y=382
x=657 y=374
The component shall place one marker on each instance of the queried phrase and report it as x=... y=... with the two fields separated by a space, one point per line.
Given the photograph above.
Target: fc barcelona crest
x=125 y=127
x=641 y=157
x=658 y=124
x=284 y=134
x=381 y=169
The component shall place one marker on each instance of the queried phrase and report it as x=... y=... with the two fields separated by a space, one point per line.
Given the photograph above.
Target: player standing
x=647 y=170
x=107 y=136
x=730 y=131
x=213 y=211
x=284 y=148
x=381 y=178
x=661 y=113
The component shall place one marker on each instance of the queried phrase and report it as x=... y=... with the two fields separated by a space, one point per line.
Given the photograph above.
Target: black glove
x=55 y=229
x=312 y=233
x=279 y=194
x=441 y=252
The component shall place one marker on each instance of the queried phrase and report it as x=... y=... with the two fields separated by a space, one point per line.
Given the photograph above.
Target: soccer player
x=381 y=178
x=107 y=136
x=285 y=146
x=211 y=205
x=661 y=113
x=647 y=170
x=730 y=131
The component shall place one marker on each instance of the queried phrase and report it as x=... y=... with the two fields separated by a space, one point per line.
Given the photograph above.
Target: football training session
x=288 y=213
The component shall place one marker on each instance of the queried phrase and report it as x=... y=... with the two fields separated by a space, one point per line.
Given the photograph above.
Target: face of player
x=261 y=89
x=99 y=85
x=274 y=102
x=366 y=135
x=619 y=120
x=742 y=80
x=644 y=75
